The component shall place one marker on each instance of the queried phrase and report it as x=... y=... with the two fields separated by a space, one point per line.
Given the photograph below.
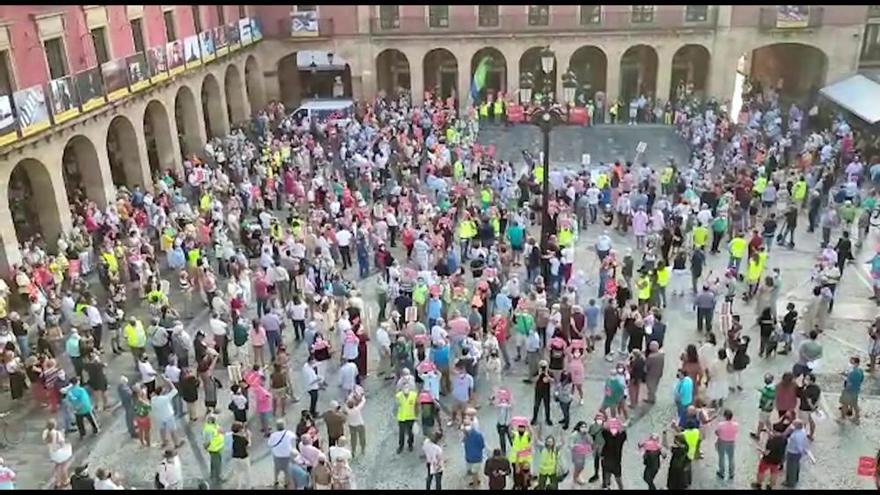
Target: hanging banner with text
x=65 y=104
x=32 y=110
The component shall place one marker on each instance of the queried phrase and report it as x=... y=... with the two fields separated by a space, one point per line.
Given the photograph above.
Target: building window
x=871 y=43
x=591 y=14
x=438 y=16
x=696 y=13
x=873 y=10
x=488 y=15
x=539 y=15
x=170 y=32
x=389 y=16
x=197 y=18
x=137 y=34
x=99 y=39
x=221 y=15
x=642 y=13
x=6 y=85
x=55 y=58
x=242 y=11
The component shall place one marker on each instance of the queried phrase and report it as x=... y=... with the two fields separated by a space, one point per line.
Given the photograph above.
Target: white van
x=333 y=111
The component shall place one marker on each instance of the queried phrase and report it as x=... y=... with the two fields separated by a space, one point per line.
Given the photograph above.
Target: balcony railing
x=784 y=18
x=610 y=21
x=322 y=28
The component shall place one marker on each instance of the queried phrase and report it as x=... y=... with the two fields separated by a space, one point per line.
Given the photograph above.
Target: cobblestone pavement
x=837 y=447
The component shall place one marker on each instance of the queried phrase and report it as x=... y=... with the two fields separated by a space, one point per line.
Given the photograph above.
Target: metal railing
x=609 y=21
x=285 y=29
x=773 y=18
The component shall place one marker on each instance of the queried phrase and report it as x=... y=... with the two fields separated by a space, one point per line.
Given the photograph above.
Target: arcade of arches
x=124 y=150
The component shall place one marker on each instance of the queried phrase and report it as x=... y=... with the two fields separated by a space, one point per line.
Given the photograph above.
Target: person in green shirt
x=614 y=392
x=523 y=324
x=719 y=227
x=765 y=406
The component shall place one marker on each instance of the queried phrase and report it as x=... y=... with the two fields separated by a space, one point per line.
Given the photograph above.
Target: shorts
x=764 y=466
x=474 y=467
x=519 y=339
x=142 y=423
x=281 y=464
x=764 y=416
x=849 y=399
x=804 y=416
x=168 y=425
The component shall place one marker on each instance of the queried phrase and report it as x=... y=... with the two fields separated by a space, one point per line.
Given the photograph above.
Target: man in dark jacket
x=497 y=468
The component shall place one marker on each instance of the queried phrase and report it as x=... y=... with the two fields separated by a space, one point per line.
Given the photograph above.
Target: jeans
x=313 y=402
x=539 y=398
x=23 y=346
x=262 y=306
x=216 y=467
x=345 y=254
x=80 y=423
x=274 y=341
x=566 y=416
x=704 y=319
x=438 y=477
x=725 y=449
x=503 y=436
x=358 y=436
x=792 y=468
x=405 y=432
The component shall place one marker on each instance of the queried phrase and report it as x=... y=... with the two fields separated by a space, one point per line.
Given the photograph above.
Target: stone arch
x=157 y=134
x=496 y=76
x=590 y=65
x=800 y=67
x=690 y=71
x=123 y=154
x=81 y=171
x=235 y=104
x=530 y=62
x=289 y=83
x=393 y=71
x=187 y=118
x=441 y=73
x=213 y=109
x=32 y=202
x=638 y=72
x=253 y=77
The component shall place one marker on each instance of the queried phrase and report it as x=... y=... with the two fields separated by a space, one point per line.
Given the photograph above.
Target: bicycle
x=13 y=434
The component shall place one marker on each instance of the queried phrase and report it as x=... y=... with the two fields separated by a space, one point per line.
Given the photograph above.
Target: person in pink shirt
x=640 y=227
x=725 y=435
x=263 y=401
x=261 y=288
x=257 y=336
x=575 y=368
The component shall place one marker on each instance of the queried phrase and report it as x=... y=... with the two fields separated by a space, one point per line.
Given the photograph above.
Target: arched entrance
x=530 y=62
x=187 y=121
x=795 y=70
x=289 y=82
x=253 y=78
x=122 y=152
x=212 y=107
x=496 y=75
x=82 y=173
x=235 y=109
x=392 y=72
x=590 y=66
x=690 y=71
x=32 y=202
x=638 y=73
x=157 y=133
x=441 y=73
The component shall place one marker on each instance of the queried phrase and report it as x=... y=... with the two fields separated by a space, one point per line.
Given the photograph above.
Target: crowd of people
x=279 y=224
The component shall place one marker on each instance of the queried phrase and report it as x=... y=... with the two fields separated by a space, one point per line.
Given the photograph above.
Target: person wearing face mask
x=595 y=432
x=520 y=444
x=581 y=446
x=651 y=454
x=542 y=393
x=474 y=450
x=612 y=453
x=550 y=471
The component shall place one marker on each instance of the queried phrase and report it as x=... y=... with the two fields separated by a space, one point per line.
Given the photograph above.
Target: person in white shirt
x=348 y=378
x=170 y=472
x=296 y=310
x=279 y=277
x=354 y=408
x=281 y=442
x=96 y=322
x=312 y=383
x=218 y=333
x=104 y=480
x=383 y=342
x=343 y=241
x=434 y=459
x=148 y=374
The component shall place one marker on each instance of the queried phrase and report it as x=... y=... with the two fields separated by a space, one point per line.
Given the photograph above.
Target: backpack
x=239 y=334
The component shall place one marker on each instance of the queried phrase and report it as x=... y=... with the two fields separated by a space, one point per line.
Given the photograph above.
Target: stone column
x=612 y=78
x=512 y=76
x=140 y=168
x=463 y=58
x=11 y=254
x=664 y=72
x=563 y=59
x=416 y=76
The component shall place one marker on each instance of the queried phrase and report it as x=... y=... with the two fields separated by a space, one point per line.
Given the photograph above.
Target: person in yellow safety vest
x=467 y=230
x=486 y=197
x=663 y=274
x=753 y=274
x=157 y=297
x=406 y=417
x=496 y=225
x=548 y=463
x=520 y=448
x=799 y=192
x=538 y=173
x=484 y=111
x=275 y=230
x=760 y=185
x=458 y=170
x=737 y=248
x=666 y=180
x=601 y=180
x=136 y=338
x=498 y=107
x=192 y=257
x=643 y=286
x=214 y=442
x=700 y=236
x=565 y=237
x=112 y=263
x=205 y=202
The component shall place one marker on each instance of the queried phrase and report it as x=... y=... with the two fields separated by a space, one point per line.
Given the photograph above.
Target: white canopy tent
x=858 y=94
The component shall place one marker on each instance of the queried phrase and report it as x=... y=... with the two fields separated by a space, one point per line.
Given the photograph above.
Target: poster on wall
x=138 y=73
x=8 y=124
x=206 y=42
x=244 y=30
x=62 y=95
x=232 y=36
x=191 y=51
x=174 y=53
x=33 y=112
x=90 y=88
x=156 y=62
x=220 y=46
x=792 y=16
x=256 y=29
x=115 y=78
x=303 y=24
